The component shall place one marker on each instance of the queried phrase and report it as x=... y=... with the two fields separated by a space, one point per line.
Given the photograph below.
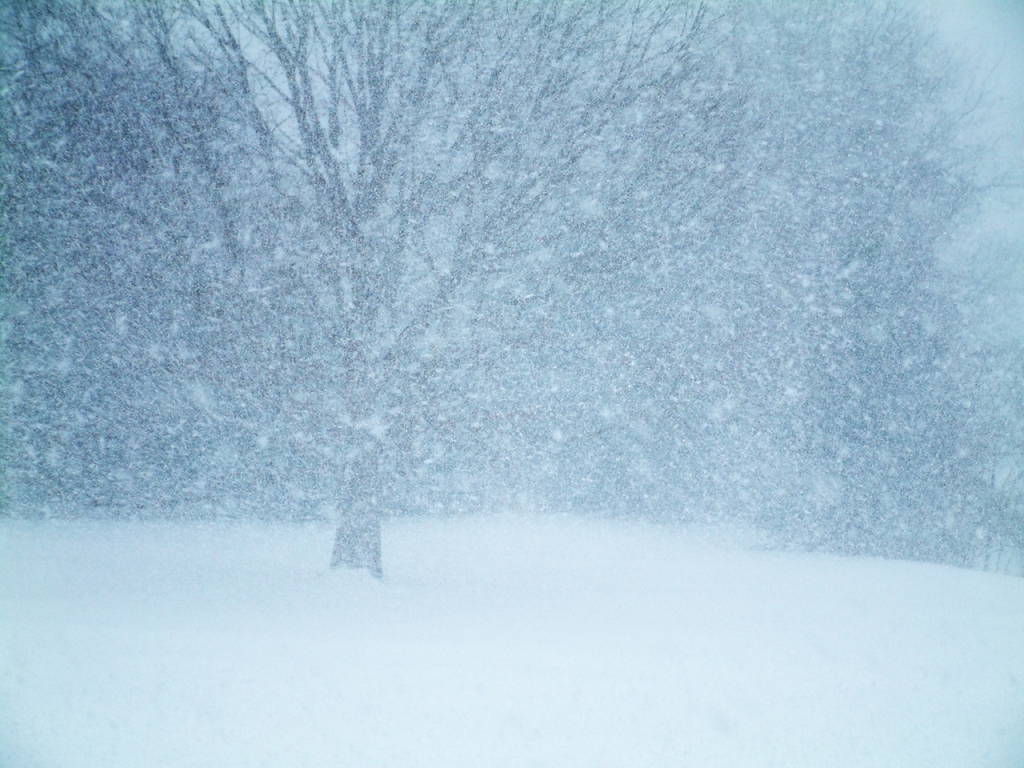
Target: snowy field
x=500 y=641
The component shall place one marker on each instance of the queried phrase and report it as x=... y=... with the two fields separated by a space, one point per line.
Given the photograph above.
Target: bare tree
x=423 y=138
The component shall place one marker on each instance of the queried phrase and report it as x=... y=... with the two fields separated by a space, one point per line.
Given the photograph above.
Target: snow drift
x=494 y=641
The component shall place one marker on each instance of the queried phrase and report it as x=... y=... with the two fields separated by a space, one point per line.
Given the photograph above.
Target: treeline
x=634 y=257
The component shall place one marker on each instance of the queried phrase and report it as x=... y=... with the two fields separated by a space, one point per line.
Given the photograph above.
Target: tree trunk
x=357 y=542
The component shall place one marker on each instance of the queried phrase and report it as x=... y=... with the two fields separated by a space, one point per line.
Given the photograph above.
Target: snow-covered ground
x=491 y=642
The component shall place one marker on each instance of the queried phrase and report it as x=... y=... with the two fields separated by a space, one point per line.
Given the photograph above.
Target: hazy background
x=752 y=263
x=991 y=35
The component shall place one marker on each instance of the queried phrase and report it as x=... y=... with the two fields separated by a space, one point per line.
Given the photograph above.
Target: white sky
x=991 y=34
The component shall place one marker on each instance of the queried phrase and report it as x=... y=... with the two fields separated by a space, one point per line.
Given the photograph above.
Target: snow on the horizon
x=498 y=641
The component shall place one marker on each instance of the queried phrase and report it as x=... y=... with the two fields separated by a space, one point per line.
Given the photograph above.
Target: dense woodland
x=284 y=258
